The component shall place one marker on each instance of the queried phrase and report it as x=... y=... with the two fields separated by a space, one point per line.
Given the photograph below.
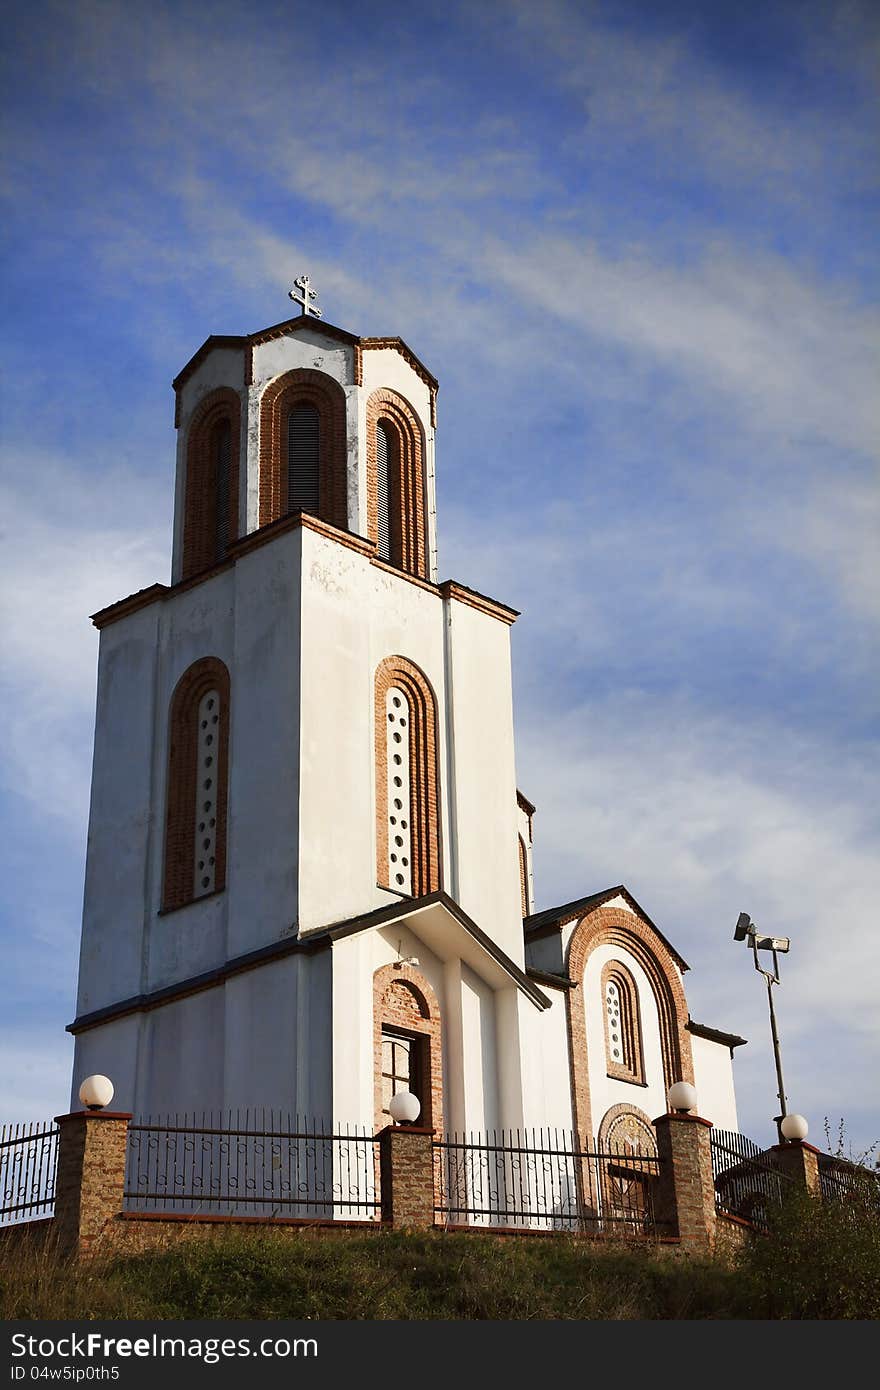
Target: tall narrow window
x=397 y=714
x=407 y=800
x=303 y=426
x=195 y=824
x=623 y=1032
x=221 y=449
x=383 y=451
x=205 y=858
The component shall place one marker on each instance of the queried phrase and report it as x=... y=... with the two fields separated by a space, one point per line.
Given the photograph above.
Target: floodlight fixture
x=743 y=927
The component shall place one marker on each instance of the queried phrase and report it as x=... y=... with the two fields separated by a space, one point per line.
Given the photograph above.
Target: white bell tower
x=304 y=729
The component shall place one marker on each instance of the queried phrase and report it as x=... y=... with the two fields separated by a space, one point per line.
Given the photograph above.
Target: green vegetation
x=819 y=1263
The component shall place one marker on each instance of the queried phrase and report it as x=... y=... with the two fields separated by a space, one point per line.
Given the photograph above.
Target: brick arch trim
x=617 y=1113
x=407 y=499
x=404 y=998
x=424 y=784
x=523 y=874
x=200 y=492
x=611 y=926
x=180 y=818
x=303 y=386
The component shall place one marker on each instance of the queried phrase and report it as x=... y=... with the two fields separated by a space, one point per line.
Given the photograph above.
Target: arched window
x=623 y=1028
x=396 y=509
x=407 y=805
x=302 y=448
x=210 y=522
x=195 y=823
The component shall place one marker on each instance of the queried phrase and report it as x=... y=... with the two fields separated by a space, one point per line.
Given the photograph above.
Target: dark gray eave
x=524 y=804
x=553 y=919
x=320 y=940
x=550 y=978
x=702 y=1030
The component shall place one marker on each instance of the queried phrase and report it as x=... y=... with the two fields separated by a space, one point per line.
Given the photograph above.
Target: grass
x=244 y=1273
x=819 y=1263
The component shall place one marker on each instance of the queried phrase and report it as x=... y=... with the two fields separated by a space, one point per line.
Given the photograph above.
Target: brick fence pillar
x=407 y=1171
x=800 y=1162
x=90 y=1177
x=685 y=1196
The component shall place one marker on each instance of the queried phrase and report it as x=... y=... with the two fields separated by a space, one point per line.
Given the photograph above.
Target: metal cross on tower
x=304 y=299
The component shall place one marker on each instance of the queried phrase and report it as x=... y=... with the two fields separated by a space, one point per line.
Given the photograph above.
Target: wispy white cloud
x=703 y=816
x=72 y=542
x=793 y=353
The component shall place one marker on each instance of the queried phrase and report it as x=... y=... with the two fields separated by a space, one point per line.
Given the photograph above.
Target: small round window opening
x=399 y=838
x=204 y=877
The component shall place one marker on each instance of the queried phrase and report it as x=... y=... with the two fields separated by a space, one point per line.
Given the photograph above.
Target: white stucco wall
x=480 y=1054
x=546 y=1080
x=109 y=1051
x=713 y=1079
x=260 y=1039
x=482 y=778
x=248 y=617
x=354 y=616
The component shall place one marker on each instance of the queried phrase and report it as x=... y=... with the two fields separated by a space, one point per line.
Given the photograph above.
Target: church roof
x=554 y=918
x=296 y=325
x=409 y=908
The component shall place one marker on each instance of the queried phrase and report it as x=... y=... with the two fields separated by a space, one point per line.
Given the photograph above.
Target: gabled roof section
x=411 y=909
x=555 y=918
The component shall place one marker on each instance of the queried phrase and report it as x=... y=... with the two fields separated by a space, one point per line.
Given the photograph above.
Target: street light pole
x=746 y=930
x=776 y=1054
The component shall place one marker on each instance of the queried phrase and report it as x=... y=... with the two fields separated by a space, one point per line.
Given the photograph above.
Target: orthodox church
x=309 y=868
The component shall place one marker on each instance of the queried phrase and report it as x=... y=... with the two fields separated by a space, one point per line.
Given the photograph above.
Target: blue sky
x=636 y=243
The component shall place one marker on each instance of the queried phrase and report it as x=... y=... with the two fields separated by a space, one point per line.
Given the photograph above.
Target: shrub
x=820 y=1259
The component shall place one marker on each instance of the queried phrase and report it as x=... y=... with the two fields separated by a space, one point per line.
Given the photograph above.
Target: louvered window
x=302 y=459
x=222 y=451
x=383 y=465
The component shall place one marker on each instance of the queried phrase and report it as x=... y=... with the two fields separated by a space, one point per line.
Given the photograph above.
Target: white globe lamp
x=404 y=1108
x=681 y=1097
x=794 y=1127
x=96 y=1092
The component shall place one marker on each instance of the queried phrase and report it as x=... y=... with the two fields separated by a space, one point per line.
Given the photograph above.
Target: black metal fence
x=251 y=1163
x=28 y=1159
x=544 y=1178
x=850 y=1183
x=747 y=1182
